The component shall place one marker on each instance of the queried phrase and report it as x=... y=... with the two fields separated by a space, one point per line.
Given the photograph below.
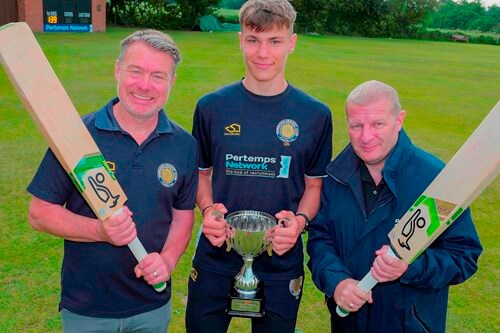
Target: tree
x=463 y=15
x=404 y=15
x=192 y=9
x=181 y=14
x=312 y=15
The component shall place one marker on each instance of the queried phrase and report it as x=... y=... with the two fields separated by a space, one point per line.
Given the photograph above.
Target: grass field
x=446 y=88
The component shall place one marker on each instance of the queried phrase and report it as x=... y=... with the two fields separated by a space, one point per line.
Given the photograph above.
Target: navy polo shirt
x=98 y=279
x=260 y=149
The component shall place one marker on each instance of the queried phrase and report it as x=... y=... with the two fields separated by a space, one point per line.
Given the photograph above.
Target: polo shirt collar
x=105 y=120
x=367 y=177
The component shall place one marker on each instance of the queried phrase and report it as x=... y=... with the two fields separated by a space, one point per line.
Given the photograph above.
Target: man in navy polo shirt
x=264 y=146
x=155 y=161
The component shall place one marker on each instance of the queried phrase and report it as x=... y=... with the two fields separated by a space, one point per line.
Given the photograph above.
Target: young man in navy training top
x=370 y=185
x=264 y=146
x=155 y=161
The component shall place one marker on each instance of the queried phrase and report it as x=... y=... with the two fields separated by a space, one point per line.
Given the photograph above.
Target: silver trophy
x=249 y=237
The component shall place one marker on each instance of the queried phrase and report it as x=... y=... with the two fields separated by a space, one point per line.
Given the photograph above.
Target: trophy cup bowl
x=249 y=237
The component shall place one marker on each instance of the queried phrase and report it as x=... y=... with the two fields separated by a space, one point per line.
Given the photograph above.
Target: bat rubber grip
x=140 y=253
x=366 y=284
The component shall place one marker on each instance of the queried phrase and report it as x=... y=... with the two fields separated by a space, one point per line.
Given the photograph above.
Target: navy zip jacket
x=343 y=239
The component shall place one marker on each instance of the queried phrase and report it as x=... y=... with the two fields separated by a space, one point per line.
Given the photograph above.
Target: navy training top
x=260 y=149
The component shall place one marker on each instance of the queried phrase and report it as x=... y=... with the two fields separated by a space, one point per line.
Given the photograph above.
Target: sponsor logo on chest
x=257 y=166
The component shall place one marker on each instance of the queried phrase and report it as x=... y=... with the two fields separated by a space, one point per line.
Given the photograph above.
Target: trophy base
x=246 y=307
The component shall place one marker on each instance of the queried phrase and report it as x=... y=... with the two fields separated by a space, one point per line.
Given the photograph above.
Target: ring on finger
x=155 y=274
x=351 y=306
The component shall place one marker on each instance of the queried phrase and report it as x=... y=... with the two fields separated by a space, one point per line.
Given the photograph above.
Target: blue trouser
x=208 y=300
x=155 y=321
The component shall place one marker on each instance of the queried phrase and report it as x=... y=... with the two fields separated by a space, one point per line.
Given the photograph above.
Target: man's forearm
x=310 y=201
x=178 y=237
x=58 y=221
x=204 y=194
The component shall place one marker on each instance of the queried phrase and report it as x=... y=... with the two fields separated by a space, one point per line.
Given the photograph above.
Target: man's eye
x=159 y=78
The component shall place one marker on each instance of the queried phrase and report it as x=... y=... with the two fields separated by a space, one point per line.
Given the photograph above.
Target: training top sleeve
x=323 y=152
x=201 y=132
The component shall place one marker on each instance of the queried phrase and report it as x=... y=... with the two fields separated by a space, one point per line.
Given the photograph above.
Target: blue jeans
x=155 y=321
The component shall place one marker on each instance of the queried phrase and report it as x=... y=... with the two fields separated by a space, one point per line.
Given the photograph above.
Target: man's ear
x=240 y=35
x=117 y=70
x=293 y=41
x=400 y=119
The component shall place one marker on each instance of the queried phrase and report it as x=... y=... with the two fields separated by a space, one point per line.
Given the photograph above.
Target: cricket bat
x=468 y=173
x=55 y=115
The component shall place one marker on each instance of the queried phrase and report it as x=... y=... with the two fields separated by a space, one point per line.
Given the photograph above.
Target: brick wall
x=99 y=15
x=31 y=11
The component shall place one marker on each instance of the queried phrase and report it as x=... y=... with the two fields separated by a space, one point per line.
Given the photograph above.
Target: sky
x=488 y=3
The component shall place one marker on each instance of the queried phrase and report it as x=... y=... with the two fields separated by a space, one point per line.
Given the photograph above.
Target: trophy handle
x=269 y=238
x=218 y=216
x=284 y=223
x=228 y=242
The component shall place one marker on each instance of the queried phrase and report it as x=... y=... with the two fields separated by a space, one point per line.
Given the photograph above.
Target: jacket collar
x=105 y=120
x=346 y=165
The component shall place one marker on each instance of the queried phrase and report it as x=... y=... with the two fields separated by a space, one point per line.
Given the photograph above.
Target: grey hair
x=154 y=38
x=372 y=91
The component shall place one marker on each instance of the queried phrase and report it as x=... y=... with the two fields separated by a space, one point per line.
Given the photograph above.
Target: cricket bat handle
x=366 y=284
x=140 y=253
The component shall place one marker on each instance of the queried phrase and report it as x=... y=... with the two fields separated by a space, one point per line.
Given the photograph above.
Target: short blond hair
x=372 y=91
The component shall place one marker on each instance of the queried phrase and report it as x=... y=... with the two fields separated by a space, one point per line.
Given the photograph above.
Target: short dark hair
x=263 y=15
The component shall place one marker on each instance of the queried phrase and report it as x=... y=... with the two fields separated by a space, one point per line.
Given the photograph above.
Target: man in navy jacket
x=370 y=185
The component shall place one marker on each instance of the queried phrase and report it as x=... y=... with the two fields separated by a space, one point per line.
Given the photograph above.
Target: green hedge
x=148 y=15
x=435 y=34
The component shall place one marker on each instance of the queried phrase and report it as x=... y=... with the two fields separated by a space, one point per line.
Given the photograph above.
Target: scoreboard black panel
x=67 y=15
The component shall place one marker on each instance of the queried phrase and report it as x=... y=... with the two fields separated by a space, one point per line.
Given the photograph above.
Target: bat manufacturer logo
x=428 y=213
x=416 y=221
x=103 y=192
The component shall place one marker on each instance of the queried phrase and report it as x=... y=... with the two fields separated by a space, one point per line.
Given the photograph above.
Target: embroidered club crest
x=167 y=174
x=295 y=286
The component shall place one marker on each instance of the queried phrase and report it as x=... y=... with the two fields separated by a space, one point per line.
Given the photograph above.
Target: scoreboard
x=67 y=15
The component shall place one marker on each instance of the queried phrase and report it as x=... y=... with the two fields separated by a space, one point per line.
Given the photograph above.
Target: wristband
x=204 y=209
x=306 y=226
